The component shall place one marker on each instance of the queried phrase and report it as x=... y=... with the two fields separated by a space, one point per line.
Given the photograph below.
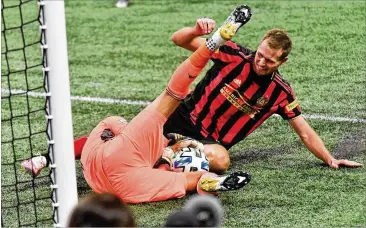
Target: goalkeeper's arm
x=176 y=143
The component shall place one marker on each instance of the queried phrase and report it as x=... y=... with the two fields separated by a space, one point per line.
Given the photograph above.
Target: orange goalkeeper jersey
x=124 y=164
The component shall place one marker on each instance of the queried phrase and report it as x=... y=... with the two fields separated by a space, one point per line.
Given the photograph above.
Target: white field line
x=134 y=102
x=79 y=98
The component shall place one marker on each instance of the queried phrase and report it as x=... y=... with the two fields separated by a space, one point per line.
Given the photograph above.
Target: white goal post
x=55 y=47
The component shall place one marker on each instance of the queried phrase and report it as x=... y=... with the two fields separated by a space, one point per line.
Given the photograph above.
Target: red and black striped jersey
x=231 y=101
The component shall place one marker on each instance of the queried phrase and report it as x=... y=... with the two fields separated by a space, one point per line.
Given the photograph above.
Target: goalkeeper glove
x=177 y=142
x=166 y=158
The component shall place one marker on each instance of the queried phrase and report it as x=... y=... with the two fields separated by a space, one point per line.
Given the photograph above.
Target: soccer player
x=238 y=93
x=118 y=157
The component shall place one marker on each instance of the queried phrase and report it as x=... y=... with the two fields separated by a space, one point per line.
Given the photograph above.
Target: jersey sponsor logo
x=262 y=101
x=236 y=99
x=292 y=105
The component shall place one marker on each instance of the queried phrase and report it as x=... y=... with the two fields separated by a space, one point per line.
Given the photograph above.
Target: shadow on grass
x=259 y=154
x=351 y=145
x=348 y=147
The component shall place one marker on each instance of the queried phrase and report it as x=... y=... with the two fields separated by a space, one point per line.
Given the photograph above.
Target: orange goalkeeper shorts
x=124 y=164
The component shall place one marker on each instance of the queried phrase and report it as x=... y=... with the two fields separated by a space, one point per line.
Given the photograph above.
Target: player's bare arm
x=316 y=145
x=190 y=37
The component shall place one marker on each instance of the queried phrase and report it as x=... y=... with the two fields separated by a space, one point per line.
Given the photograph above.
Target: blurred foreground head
x=199 y=211
x=101 y=210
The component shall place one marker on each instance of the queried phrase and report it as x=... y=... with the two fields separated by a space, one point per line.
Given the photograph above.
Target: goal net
x=35 y=114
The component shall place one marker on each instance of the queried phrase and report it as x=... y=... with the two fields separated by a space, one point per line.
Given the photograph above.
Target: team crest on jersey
x=262 y=101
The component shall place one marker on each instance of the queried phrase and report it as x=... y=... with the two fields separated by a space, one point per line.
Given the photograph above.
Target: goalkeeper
x=119 y=158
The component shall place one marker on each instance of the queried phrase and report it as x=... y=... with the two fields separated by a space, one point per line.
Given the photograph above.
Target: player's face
x=266 y=60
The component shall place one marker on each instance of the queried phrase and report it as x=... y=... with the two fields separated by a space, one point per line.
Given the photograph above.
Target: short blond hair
x=279 y=39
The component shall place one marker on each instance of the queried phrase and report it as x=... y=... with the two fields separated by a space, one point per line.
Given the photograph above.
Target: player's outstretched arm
x=190 y=37
x=316 y=145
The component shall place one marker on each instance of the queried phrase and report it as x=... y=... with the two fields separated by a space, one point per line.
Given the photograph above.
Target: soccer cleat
x=233 y=181
x=34 y=166
x=238 y=17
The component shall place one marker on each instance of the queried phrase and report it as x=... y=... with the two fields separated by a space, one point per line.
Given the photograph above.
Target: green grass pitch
x=127 y=54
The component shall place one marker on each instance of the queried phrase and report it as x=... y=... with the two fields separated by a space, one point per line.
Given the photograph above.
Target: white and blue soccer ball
x=190 y=160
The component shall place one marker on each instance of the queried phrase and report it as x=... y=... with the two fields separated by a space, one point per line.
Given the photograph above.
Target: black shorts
x=179 y=123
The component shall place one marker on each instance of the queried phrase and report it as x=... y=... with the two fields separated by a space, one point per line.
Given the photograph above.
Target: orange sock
x=178 y=86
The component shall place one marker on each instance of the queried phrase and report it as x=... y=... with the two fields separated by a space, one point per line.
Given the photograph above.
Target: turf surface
x=127 y=54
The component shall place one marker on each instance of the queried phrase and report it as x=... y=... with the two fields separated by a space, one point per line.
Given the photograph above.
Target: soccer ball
x=190 y=160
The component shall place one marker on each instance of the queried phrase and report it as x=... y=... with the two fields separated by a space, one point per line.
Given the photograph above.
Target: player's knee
x=222 y=164
x=225 y=162
x=218 y=157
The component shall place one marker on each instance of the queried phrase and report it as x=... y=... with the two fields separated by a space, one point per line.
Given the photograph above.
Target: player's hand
x=177 y=142
x=166 y=158
x=342 y=162
x=168 y=153
x=204 y=26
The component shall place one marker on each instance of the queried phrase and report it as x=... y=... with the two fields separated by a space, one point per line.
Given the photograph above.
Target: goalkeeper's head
x=101 y=210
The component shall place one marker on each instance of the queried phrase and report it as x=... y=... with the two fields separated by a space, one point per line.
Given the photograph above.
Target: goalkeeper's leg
x=184 y=75
x=144 y=184
x=35 y=165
